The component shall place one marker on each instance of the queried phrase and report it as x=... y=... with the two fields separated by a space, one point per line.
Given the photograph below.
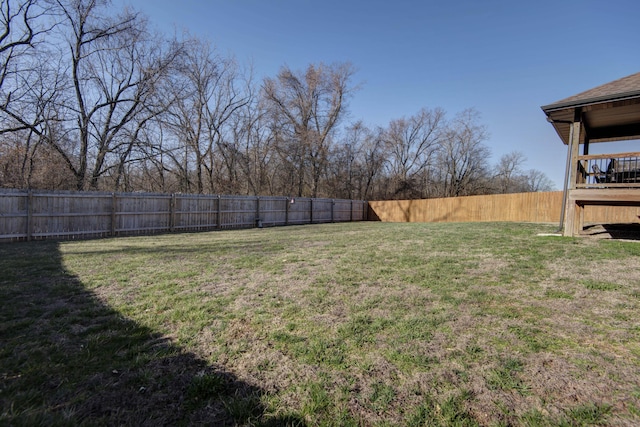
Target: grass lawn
x=336 y=324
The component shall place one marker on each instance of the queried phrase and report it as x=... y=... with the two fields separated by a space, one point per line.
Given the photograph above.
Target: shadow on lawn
x=67 y=358
x=614 y=231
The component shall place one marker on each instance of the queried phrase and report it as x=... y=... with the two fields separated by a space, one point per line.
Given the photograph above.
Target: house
x=610 y=112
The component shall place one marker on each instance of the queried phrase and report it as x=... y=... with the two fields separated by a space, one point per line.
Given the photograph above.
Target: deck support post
x=571 y=222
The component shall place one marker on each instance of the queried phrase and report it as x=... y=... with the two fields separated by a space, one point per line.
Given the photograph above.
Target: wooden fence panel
x=28 y=215
x=522 y=207
x=45 y=214
x=342 y=210
x=193 y=212
x=141 y=213
x=238 y=212
x=322 y=211
x=358 y=210
x=274 y=211
x=14 y=213
x=519 y=207
x=59 y=215
x=300 y=211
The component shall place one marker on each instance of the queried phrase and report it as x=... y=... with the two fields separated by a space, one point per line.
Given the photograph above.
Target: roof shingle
x=626 y=86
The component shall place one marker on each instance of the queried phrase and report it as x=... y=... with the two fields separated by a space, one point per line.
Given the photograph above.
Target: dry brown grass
x=352 y=324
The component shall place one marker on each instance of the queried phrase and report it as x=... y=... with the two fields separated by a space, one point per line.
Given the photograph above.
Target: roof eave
x=562 y=105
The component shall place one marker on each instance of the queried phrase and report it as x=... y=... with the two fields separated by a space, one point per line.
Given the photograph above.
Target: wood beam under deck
x=579 y=198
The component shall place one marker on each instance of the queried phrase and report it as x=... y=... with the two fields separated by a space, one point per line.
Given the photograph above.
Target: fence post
x=29 y=214
x=172 y=212
x=258 y=220
x=219 y=219
x=287 y=202
x=113 y=214
x=333 y=203
x=351 y=211
x=310 y=211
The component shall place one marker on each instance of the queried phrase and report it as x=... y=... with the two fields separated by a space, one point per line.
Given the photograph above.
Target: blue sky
x=505 y=58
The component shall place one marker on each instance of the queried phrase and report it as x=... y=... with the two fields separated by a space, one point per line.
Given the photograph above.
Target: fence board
x=46 y=214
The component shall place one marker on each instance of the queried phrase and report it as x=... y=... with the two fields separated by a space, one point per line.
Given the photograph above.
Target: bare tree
x=208 y=92
x=508 y=172
x=311 y=105
x=114 y=67
x=27 y=87
x=103 y=103
x=535 y=180
x=22 y=25
x=233 y=92
x=356 y=162
x=254 y=135
x=372 y=162
x=463 y=157
x=412 y=144
x=345 y=170
x=191 y=92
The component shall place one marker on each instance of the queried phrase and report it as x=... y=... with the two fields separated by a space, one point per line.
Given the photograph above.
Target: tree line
x=95 y=100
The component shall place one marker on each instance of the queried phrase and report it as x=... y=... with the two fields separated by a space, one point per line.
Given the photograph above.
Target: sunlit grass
x=336 y=324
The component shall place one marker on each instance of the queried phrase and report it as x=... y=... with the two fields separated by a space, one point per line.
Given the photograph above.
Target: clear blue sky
x=504 y=58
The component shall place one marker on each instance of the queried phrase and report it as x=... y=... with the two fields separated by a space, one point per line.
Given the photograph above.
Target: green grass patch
x=507 y=376
x=596 y=285
x=337 y=324
x=450 y=412
x=557 y=293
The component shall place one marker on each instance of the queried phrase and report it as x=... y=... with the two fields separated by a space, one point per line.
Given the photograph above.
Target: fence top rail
x=71 y=193
x=74 y=195
x=142 y=196
x=12 y=191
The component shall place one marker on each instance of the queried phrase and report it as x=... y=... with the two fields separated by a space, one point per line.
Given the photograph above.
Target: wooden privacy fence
x=519 y=207
x=26 y=215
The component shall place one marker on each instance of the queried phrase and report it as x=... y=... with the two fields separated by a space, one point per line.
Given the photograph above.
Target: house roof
x=609 y=112
x=618 y=89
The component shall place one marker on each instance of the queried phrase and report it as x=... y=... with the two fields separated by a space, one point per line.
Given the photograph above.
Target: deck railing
x=620 y=170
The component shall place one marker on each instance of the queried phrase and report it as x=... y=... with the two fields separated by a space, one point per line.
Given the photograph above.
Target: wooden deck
x=602 y=179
